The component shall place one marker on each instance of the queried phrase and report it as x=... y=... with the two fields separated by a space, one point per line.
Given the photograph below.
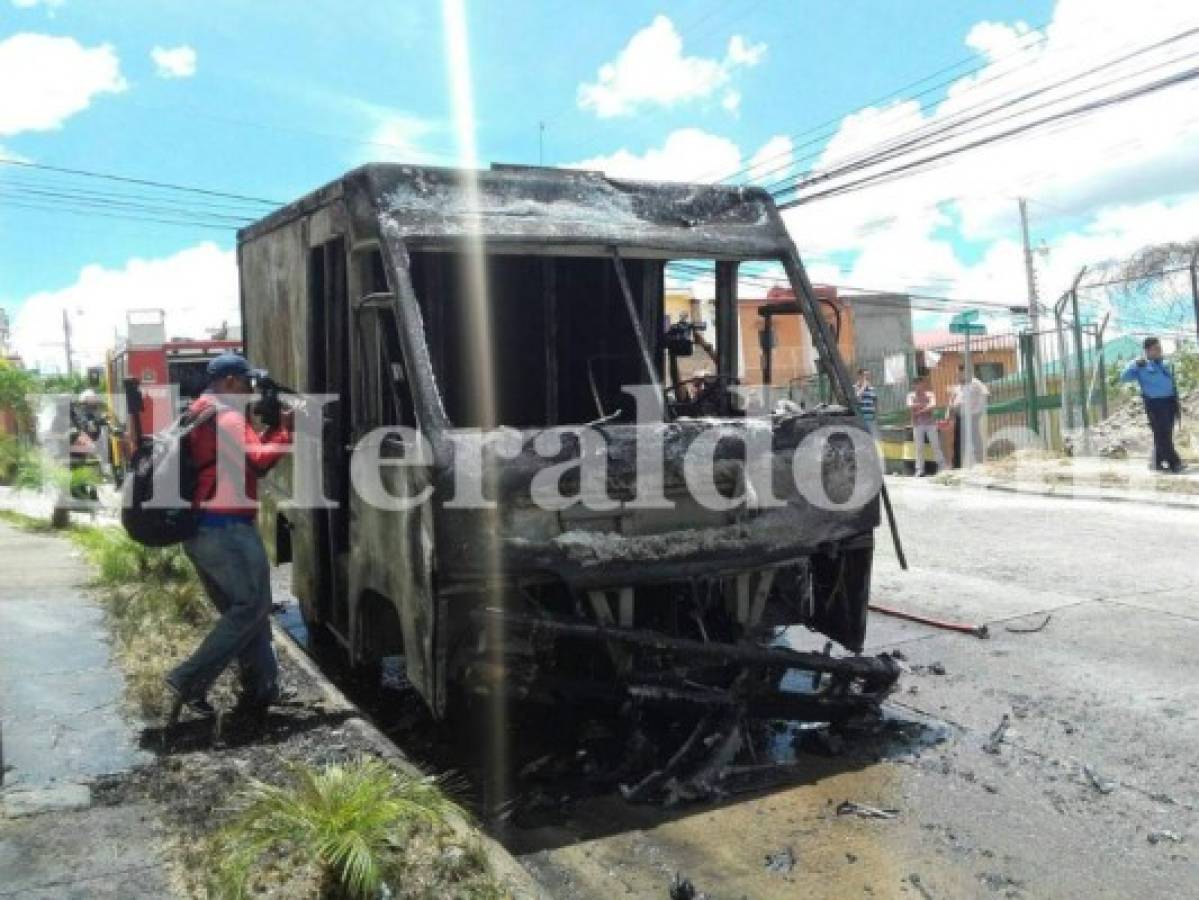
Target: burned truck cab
x=531 y=499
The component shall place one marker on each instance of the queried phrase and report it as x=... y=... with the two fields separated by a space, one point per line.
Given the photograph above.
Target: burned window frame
x=647 y=285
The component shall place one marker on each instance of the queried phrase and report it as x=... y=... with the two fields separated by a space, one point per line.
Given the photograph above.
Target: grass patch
x=156 y=610
x=358 y=830
x=122 y=560
x=155 y=625
x=27 y=523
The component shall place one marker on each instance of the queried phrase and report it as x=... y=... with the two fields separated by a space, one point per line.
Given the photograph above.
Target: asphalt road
x=1092 y=783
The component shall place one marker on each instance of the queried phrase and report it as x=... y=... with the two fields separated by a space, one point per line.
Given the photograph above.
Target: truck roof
x=549 y=210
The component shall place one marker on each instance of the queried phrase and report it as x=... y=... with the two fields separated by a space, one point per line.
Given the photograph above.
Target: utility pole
x=1030 y=275
x=1195 y=286
x=1030 y=271
x=66 y=339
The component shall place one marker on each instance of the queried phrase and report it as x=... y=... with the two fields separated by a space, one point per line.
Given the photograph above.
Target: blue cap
x=228 y=363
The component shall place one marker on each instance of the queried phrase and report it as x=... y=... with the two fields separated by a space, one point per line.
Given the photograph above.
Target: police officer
x=1160 y=394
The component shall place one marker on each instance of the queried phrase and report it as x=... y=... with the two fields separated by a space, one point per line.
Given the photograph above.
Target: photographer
x=1160 y=395
x=227 y=551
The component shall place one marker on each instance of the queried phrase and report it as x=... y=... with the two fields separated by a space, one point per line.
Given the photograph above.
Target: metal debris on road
x=936 y=668
x=851 y=808
x=1098 y=782
x=1033 y=630
x=1156 y=837
x=979 y=631
x=918 y=884
x=782 y=862
x=996 y=738
x=682 y=889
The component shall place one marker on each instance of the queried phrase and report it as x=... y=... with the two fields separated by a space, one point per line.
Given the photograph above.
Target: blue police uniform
x=1160 y=395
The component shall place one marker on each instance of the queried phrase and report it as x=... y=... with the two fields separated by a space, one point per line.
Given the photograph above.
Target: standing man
x=1160 y=395
x=968 y=403
x=227 y=550
x=922 y=401
x=867 y=401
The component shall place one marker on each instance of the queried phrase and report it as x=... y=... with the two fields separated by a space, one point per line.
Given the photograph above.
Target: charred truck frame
x=360 y=290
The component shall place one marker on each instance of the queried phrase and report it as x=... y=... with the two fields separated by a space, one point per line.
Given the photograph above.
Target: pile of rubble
x=1125 y=433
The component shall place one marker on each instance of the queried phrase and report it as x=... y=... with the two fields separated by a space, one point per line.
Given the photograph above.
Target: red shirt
x=231 y=434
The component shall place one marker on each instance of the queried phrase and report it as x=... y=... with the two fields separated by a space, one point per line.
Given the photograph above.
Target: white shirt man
x=968 y=401
x=922 y=402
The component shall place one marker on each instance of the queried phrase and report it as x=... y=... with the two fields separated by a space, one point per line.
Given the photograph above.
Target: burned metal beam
x=726 y=319
x=874 y=669
x=651 y=373
x=549 y=282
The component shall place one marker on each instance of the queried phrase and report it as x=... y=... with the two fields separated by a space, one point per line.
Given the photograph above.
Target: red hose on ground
x=979 y=631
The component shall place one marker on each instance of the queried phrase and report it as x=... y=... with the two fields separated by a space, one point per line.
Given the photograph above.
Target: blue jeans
x=234 y=570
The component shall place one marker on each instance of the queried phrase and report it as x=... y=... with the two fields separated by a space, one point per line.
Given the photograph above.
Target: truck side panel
x=274 y=299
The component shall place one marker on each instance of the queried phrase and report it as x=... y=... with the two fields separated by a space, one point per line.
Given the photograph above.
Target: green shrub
x=343 y=825
x=122 y=560
x=12 y=454
x=36 y=471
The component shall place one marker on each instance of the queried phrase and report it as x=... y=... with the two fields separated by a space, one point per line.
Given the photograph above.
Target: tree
x=16 y=386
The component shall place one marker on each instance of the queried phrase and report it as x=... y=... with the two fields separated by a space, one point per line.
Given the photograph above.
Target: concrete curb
x=505 y=867
x=1076 y=494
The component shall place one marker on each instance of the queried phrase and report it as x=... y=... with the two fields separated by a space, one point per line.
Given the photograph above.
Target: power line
x=145 y=182
x=1080 y=110
x=45 y=196
x=827 y=131
x=940 y=131
x=112 y=215
x=1039 y=38
x=200 y=204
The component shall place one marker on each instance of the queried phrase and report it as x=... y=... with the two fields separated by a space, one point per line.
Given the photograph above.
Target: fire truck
x=170 y=374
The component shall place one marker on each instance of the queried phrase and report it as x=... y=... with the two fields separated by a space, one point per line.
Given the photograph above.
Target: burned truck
x=519 y=302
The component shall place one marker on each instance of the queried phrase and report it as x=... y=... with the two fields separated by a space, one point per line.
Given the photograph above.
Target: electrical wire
x=1081 y=110
x=145 y=182
x=940 y=131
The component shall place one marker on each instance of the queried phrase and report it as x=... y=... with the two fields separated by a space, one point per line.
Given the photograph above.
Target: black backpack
x=163 y=457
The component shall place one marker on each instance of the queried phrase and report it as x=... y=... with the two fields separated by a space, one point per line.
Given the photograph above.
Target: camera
x=269 y=407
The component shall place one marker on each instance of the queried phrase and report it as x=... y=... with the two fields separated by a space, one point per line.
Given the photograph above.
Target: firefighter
x=227 y=550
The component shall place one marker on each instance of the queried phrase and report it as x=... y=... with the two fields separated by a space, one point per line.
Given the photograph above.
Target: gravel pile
x=1125 y=433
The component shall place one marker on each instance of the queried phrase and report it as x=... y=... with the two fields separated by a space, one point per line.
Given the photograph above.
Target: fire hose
x=979 y=631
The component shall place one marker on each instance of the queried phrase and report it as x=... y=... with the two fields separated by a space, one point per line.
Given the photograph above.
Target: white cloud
x=688 y=154
x=1117 y=179
x=12 y=155
x=651 y=70
x=731 y=100
x=49 y=79
x=196 y=287
x=398 y=137
x=742 y=54
x=772 y=162
x=29 y=4
x=174 y=62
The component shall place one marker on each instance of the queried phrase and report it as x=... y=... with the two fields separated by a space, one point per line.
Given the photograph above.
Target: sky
x=270 y=99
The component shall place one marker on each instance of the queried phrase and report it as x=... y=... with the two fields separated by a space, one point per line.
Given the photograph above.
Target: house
x=939 y=354
x=869 y=329
x=776 y=346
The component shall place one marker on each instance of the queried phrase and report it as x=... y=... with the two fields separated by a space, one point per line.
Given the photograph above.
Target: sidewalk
x=63 y=728
x=1083 y=478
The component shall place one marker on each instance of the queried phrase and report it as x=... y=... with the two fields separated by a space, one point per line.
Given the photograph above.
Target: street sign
x=967 y=315
x=967 y=328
